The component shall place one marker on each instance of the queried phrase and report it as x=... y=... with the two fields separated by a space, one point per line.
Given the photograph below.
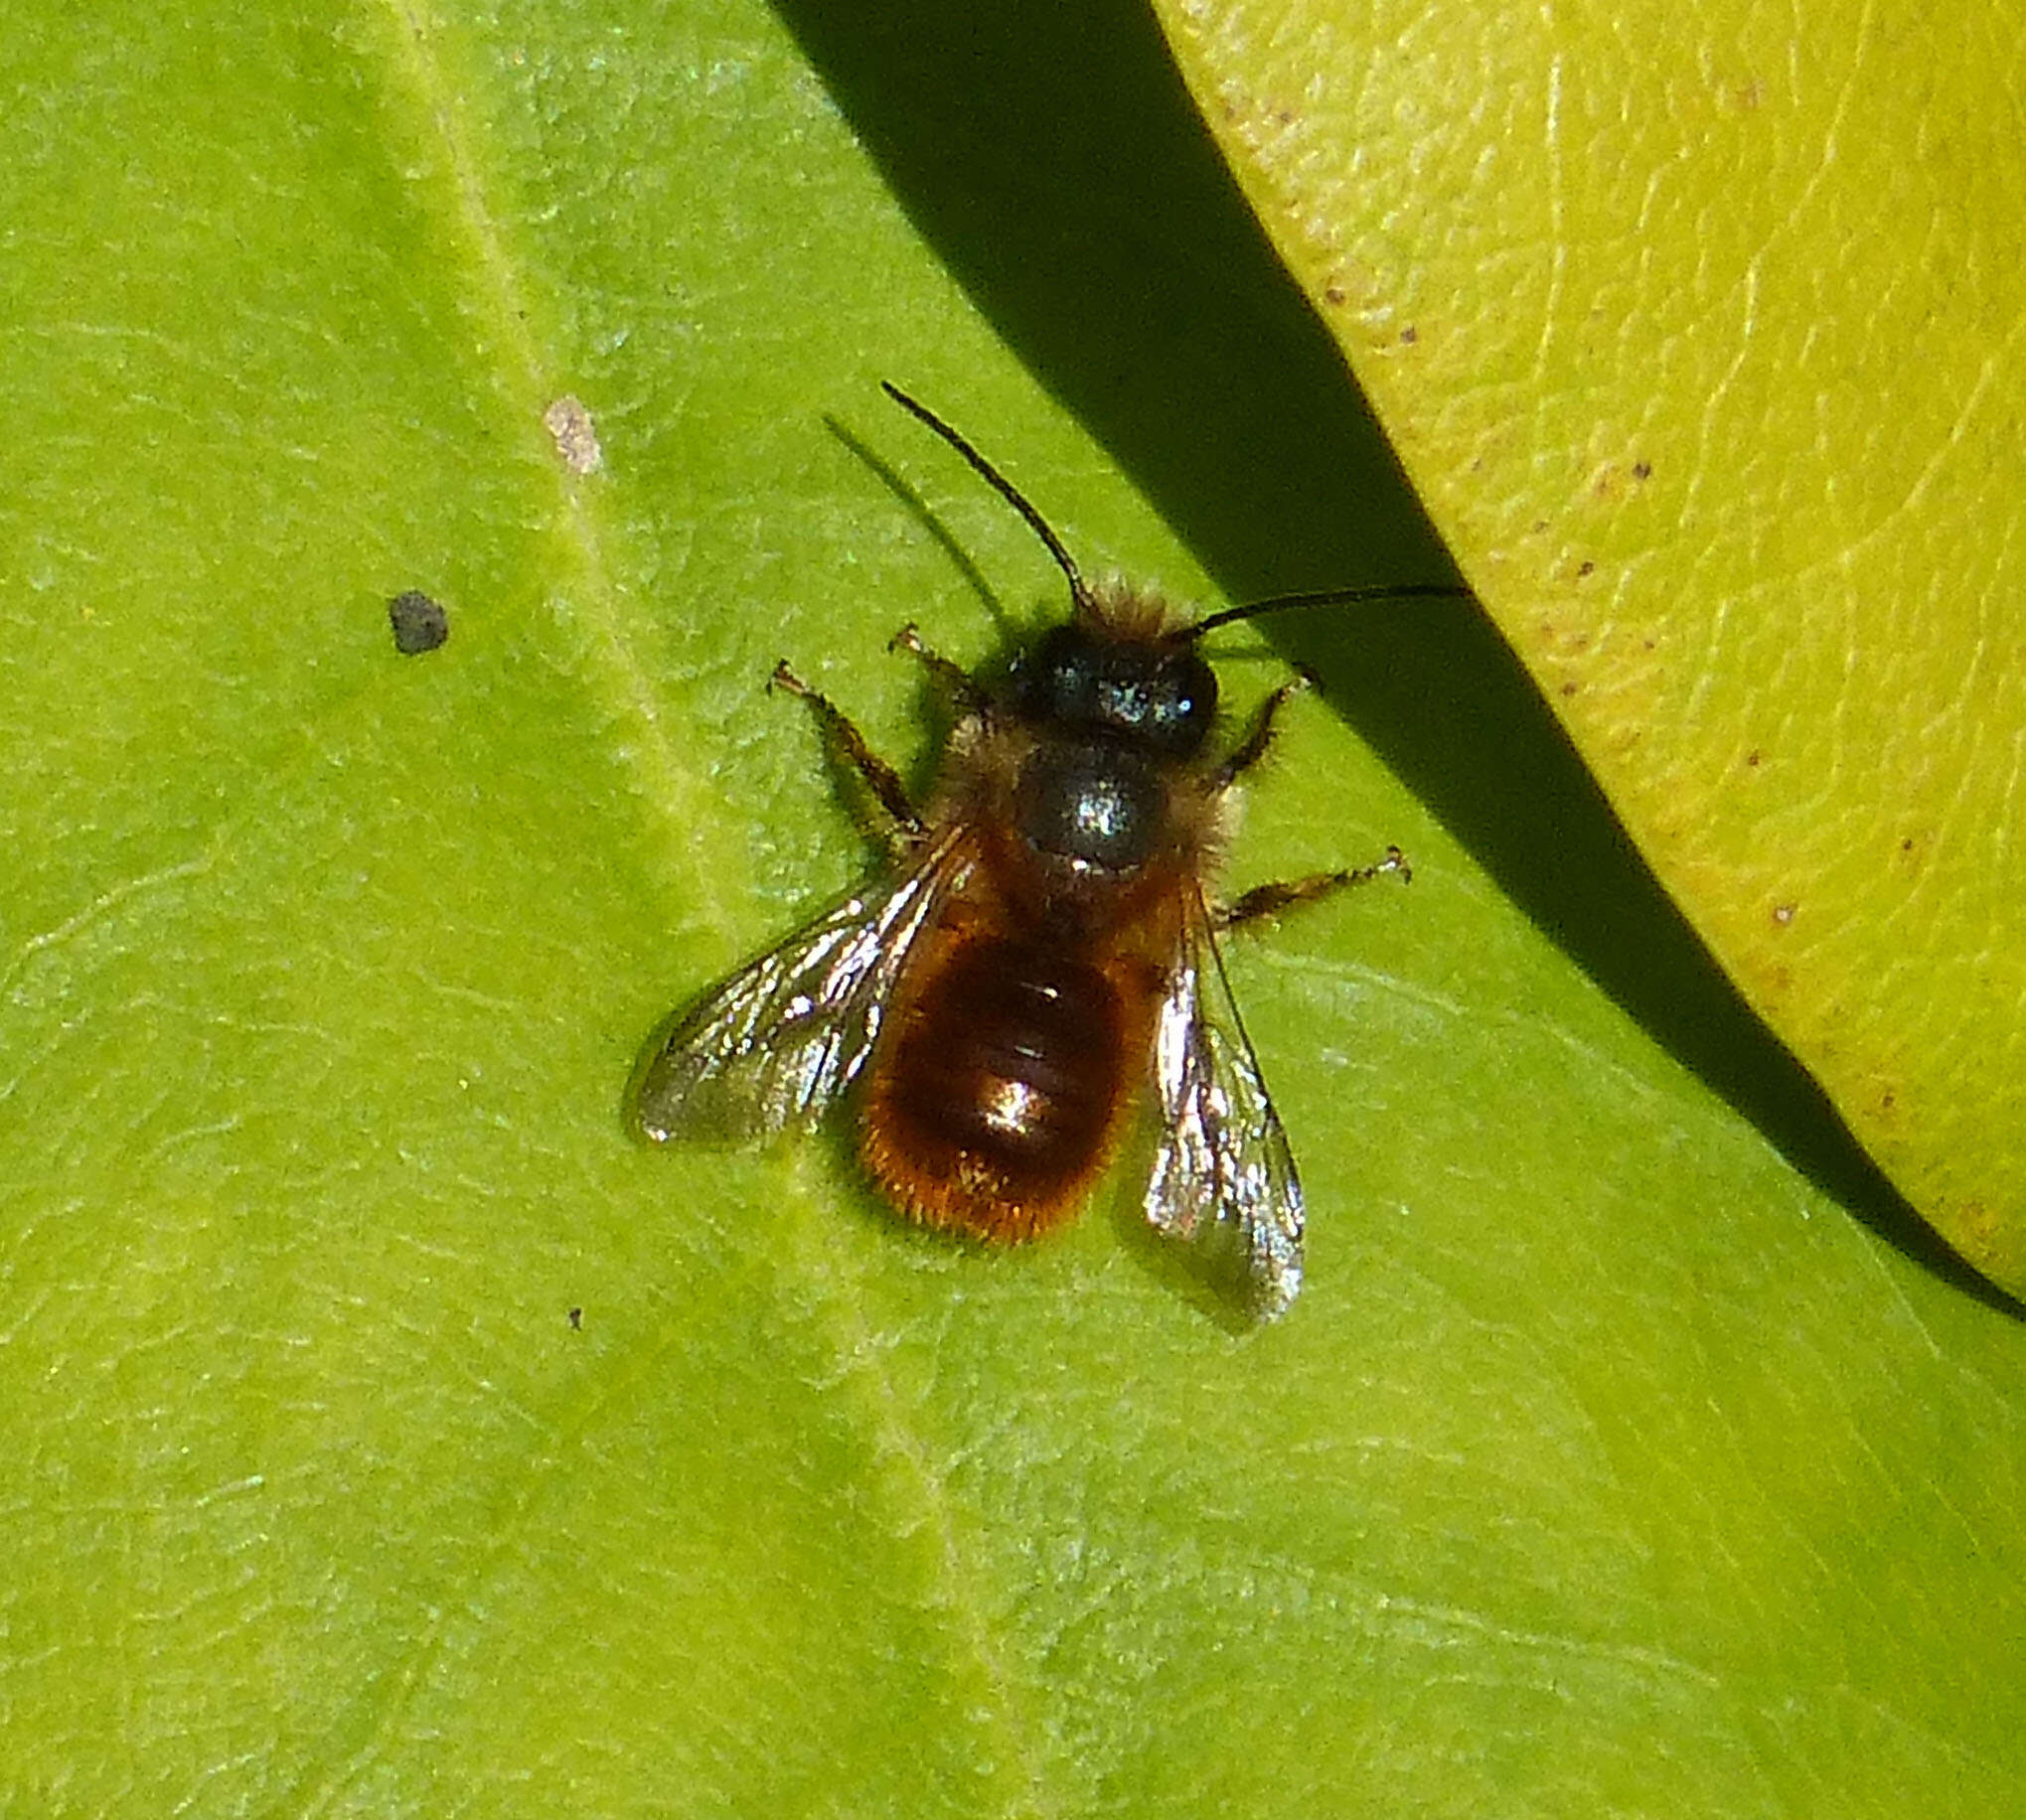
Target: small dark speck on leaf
x=418 y=623
x=1751 y=758
x=1643 y=470
x=1410 y=334
x=576 y=1320
x=1587 y=568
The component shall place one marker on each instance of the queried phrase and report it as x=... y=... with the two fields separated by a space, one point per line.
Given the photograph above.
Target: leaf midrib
x=676 y=796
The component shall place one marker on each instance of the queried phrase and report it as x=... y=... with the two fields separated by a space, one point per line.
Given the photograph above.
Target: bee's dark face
x=1155 y=695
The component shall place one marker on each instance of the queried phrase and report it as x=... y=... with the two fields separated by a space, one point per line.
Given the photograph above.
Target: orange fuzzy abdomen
x=996 y=1097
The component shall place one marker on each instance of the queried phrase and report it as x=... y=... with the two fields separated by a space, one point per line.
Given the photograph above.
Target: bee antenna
x=1079 y=595
x=1329 y=597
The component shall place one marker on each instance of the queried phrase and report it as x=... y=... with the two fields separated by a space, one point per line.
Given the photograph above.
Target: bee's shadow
x=918 y=508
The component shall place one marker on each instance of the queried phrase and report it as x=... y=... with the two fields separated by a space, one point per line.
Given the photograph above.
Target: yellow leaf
x=1699 y=333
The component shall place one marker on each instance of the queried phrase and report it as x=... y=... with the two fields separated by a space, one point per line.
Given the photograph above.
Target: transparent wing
x=777 y=1042
x=1223 y=1178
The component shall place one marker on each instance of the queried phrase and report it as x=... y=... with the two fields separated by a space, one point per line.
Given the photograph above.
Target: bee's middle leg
x=879 y=776
x=1264 y=901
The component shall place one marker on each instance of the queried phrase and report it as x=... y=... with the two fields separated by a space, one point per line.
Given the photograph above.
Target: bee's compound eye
x=1054 y=679
x=1184 y=703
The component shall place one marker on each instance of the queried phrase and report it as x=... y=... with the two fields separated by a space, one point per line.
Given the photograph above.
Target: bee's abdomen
x=991 y=1103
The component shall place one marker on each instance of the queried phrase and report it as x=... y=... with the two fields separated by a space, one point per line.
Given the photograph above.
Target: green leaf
x=392 y=1436
x=1697 y=331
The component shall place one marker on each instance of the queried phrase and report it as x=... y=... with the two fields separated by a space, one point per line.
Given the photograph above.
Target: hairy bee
x=1043 y=955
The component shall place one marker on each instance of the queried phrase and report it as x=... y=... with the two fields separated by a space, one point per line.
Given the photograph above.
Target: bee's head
x=1122 y=668
x=1155 y=693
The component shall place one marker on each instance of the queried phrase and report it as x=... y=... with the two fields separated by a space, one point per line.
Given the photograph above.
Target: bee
x=1042 y=956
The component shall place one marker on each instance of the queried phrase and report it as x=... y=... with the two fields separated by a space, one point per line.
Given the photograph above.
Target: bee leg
x=1270 y=900
x=879 y=776
x=968 y=697
x=1259 y=740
